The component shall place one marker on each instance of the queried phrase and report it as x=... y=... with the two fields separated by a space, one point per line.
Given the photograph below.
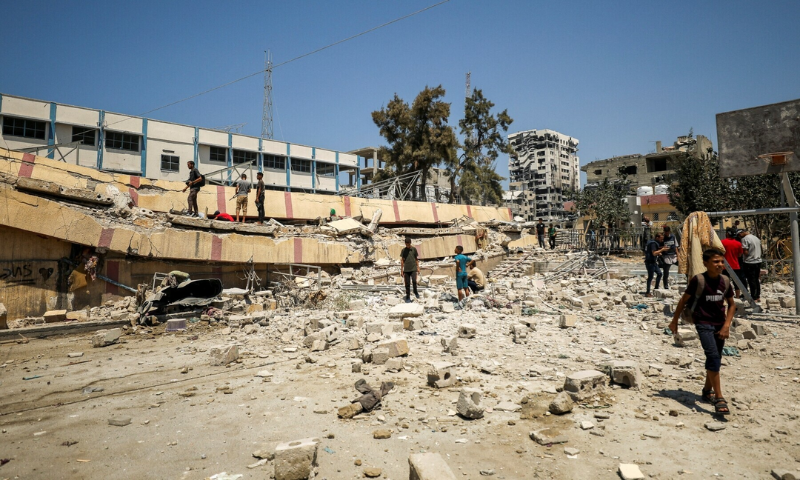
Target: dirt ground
x=189 y=426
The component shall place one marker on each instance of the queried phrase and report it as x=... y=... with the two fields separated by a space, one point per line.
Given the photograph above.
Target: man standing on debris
x=752 y=263
x=707 y=293
x=193 y=184
x=242 y=191
x=461 y=273
x=475 y=278
x=260 y=197
x=540 y=233
x=733 y=250
x=551 y=233
x=409 y=268
x=652 y=251
x=670 y=255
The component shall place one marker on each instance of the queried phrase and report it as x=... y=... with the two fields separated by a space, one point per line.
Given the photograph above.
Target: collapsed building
x=56 y=218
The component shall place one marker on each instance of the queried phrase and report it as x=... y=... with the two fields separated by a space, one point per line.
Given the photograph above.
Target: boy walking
x=260 y=197
x=409 y=268
x=461 y=273
x=242 y=191
x=551 y=233
x=709 y=292
x=652 y=251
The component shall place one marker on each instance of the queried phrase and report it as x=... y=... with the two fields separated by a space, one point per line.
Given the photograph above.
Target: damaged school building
x=56 y=218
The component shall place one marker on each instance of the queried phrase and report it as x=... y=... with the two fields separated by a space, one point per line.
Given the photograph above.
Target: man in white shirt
x=751 y=268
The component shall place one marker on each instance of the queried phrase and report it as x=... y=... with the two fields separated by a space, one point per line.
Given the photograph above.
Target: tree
x=481 y=186
x=605 y=202
x=419 y=137
x=699 y=186
x=483 y=143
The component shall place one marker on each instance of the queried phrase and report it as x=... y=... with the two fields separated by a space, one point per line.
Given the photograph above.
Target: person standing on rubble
x=733 y=251
x=551 y=233
x=409 y=268
x=475 y=278
x=652 y=251
x=751 y=245
x=242 y=191
x=670 y=255
x=260 y=197
x=708 y=292
x=193 y=184
x=540 y=233
x=461 y=273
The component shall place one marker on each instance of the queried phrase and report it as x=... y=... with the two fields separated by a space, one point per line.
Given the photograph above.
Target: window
x=219 y=155
x=274 y=162
x=629 y=170
x=84 y=135
x=22 y=127
x=241 y=156
x=122 y=141
x=170 y=163
x=598 y=172
x=301 y=166
x=658 y=165
x=326 y=169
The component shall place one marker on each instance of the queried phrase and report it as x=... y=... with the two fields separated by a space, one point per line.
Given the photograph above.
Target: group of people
x=469 y=278
x=552 y=232
x=660 y=254
x=243 y=189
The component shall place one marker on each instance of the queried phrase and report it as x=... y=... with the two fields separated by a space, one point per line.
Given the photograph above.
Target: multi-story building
x=544 y=167
x=653 y=169
x=159 y=150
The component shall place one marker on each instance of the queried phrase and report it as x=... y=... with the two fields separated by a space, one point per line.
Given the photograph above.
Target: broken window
x=87 y=136
x=241 y=156
x=122 y=141
x=658 y=164
x=301 y=166
x=170 y=163
x=219 y=155
x=326 y=169
x=628 y=170
x=23 y=127
x=598 y=172
x=274 y=162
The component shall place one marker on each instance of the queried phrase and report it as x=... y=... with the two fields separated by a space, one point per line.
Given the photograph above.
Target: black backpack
x=688 y=310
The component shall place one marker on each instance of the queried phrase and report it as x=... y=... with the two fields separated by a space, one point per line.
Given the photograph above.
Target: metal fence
x=604 y=241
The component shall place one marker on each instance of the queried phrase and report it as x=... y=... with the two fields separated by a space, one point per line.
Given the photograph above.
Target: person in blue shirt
x=461 y=273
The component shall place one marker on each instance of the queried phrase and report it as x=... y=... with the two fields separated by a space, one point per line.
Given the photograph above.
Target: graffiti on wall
x=23 y=273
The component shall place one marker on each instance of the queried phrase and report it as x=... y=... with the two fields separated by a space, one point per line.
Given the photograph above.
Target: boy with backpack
x=704 y=304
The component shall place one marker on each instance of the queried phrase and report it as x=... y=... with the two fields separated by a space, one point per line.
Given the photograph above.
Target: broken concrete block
x=686 y=337
x=520 y=333
x=78 y=316
x=413 y=324
x=585 y=384
x=394 y=364
x=561 y=404
x=223 y=354
x=396 y=348
x=429 y=466
x=3 y=317
x=447 y=307
x=350 y=411
x=357 y=304
x=441 y=375
x=379 y=355
x=176 y=325
x=567 y=321
x=319 y=345
x=788 y=302
x=253 y=308
x=623 y=372
x=309 y=340
x=119 y=421
x=450 y=345
x=759 y=329
x=782 y=474
x=465 y=330
x=470 y=403
x=331 y=334
x=103 y=338
x=630 y=471
x=55 y=316
x=296 y=460
x=547 y=437
x=748 y=335
x=405 y=310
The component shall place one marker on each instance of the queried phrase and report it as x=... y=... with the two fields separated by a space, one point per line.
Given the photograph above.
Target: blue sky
x=616 y=75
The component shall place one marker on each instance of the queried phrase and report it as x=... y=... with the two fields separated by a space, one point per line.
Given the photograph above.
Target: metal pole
x=787 y=188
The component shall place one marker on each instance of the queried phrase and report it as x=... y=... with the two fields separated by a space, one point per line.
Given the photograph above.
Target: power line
x=294 y=59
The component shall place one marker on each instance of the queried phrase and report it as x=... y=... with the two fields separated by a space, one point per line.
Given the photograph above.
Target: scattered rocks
x=561 y=404
x=470 y=404
x=296 y=460
x=104 y=338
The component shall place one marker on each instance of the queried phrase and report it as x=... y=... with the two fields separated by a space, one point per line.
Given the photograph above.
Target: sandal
x=721 y=406
x=707 y=396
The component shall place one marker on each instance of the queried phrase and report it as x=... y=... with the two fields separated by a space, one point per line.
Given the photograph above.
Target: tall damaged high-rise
x=543 y=168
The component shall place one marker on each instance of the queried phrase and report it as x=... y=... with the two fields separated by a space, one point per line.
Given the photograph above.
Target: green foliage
x=700 y=187
x=484 y=141
x=605 y=202
x=418 y=135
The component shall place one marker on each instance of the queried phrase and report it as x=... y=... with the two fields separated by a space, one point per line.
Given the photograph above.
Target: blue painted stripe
x=336 y=172
x=288 y=167
x=358 y=172
x=260 y=156
x=314 y=153
x=196 y=146
x=313 y=175
x=143 y=161
x=51 y=139
x=101 y=138
x=230 y=155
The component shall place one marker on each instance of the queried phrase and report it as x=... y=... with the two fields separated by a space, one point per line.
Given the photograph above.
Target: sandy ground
x=52 y=429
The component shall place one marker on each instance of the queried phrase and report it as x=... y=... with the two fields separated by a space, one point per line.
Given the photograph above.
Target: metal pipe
x=757 y=211
x=792 y=201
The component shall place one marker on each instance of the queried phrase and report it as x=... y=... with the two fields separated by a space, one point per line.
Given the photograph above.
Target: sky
x=615 y=75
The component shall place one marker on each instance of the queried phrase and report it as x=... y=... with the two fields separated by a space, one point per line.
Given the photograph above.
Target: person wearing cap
x=222 y=217
x=409 y=268
x=733 y=250
x=752 y=263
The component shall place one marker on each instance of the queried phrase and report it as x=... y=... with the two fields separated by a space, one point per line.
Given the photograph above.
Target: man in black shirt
x=260 y=198
x=540 y=233
x=409 y=268
x=652 y=251
x=193 y=184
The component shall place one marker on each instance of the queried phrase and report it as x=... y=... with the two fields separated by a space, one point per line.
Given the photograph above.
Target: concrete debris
x=470 y=404
x=630 y=471
x=441 y=375
x=585 y=384
x=296 y=460
x=3 y=317
x=223 y=354
x=561 y=404
x=405 y=310
x=103 y=338
x=465 y=330
x=429 y=466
